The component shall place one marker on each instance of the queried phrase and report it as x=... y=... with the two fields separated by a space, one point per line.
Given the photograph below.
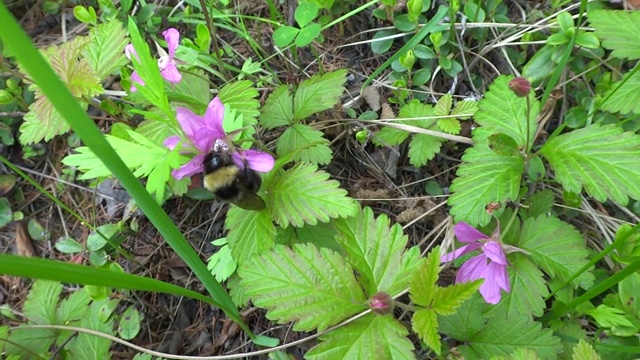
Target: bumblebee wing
x=249 y=201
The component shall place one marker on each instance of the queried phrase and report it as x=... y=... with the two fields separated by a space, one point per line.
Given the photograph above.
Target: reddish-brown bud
x=381 y=303
x=520 y=86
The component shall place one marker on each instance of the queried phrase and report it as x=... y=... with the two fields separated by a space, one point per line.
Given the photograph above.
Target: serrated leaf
x=423 y=148
x=192 y=90
x=303 y=195
x=450 y=125
x=423 y=283
x=485 y=177
x=374 y=249
x=619 y=31
x=425 y=323
x=39 y=341
x=318 y=93
x=389 y=136
x=41 y=302
x=446 y=300
x=557 y=248
x=499 y=338
x=42 y=122
x=443 y=106
x=88 y=346
x=155 y=131
x=501 y=111
x=313 y=287
x=250 y=232
x=304 y=143
x=73 y=307
x=602 y=159
x=75 y=71
x=625 y=97
x=278 y=109
x=465 y=109
x=105 y=50
x=584 y=351
x=242 y=97
x=371 y=337
x=540 y=203
x=142 y=156
x=222 y=264
x=466 y=321
x=606 y=316
x=528 y=290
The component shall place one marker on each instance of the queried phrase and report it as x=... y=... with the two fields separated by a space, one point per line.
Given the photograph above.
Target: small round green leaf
x=305 y=13
x=421 y=77
x=5 y=212
x=404 y=24
x=37 y=231
x=424 y=52
x=557 y=39
x=284 y=36
x=382 y=46
x=587 y=40
x=82 y=14
x=565 y=21
x=308 y=34
x=536 y=169
x=68 y=245
x=129 y=325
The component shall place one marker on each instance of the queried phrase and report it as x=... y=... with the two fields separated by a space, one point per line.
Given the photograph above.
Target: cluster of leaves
x=82 y=63
x=43 y=307
x=440 y=117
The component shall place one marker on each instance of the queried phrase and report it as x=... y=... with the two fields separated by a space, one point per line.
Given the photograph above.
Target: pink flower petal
x=467 y=233
x=494 y=251
x=259 y=160
x=193 y=167
x=172 y=36
x=190 y=122
x=171 y=73
x=129 y=50
x=472 y=269
x=171 y=142
x=460 y=251
x=135 y=79
x=494 y=280
x=214 y=116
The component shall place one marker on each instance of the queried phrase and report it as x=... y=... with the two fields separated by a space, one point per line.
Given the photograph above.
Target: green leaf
x=606 y=316
x=6 y=214
x=465 y=109
x=557 y=248
x=305 y=13
x=499 y=338
x=42 y=122
x=425 y=323
x=192 y=90
x=587 y=40
x=619 y=31
x=584 y=351
x=602 y=159
x=466 y=322
x=374 y=250
x=485 y=177
x=68 y=245
x=318 y=93
x=540 y=203
x=623 y=96
x=284 y=35
x=565 y=21
x=389 y=136
x=629 y=293
x=88 y=346
x=304 y=195
x=278 y=109
x=307 y=34
x=306 y=144
x=73 y=307
x=129 y=325
x=449 y=125
x=313 y=287
x=242 y=97
x=250 y=232
x=105 y=49
x=446 y=300
x=379 y=47
x=443 y=106
x=371 y=337
x=423 y=148
x=423 y=283
x=501 y=111
x=528 y=290
x=39 y=341
x=221 y=264
x=41 y=302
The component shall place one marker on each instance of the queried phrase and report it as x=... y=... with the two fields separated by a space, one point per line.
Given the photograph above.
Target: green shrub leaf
x=602 y=159
x=619 y=31
x=318 y=93
x=305 y=143
x=314 y=287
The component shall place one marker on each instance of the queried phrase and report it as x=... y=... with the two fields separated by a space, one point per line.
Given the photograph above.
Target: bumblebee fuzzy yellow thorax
x=220 y=178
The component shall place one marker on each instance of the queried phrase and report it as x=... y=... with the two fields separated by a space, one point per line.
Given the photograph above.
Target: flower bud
x=415 y=8
x=381 y=303
x=407 y=60
x=520 y=86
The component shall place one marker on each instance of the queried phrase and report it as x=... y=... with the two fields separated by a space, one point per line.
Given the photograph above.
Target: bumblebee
x=230 y=182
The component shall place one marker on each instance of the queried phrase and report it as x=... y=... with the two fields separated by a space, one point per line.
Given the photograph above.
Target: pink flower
x=490 y=264
x=166 y=62
x=202 y=134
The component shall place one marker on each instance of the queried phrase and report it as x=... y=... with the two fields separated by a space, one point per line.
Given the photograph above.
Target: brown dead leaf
x=387 y=113
x=23 y=243
x=371 y=95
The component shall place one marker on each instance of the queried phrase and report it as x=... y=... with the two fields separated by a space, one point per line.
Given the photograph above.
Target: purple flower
x=202 y=133
x=166 y=62
x=490 y=264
